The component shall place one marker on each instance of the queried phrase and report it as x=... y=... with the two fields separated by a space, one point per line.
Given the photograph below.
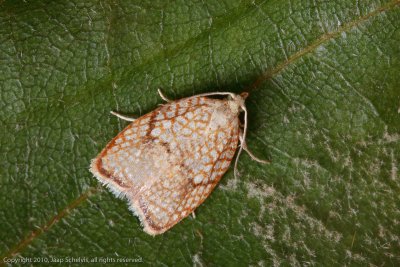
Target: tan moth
x=168 y=161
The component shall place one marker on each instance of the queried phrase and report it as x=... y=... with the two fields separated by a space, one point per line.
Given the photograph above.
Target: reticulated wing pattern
x=168 y=161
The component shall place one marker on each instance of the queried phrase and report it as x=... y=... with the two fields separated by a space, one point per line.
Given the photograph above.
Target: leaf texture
x=324 y=86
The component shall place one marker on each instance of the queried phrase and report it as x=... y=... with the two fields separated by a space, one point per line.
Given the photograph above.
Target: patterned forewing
x=213 y=163
x=168 y=161
x=110 y=166
x=125 y=163
x=204 y=156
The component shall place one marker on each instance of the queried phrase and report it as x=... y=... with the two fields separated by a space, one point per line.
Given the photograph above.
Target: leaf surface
x=324 y=106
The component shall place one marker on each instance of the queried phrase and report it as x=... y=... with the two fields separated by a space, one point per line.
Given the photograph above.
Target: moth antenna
x=217 y=93
x=166 y=99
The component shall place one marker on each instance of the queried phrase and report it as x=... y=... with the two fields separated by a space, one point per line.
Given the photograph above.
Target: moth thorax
x=235 y=103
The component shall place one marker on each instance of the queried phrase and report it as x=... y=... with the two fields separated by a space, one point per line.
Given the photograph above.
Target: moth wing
x=167 y=162
x=123 y=163
x=200 y=158
x=109 y=167
x=167 y=203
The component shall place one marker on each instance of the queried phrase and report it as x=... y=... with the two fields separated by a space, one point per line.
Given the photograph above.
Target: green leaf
x=324 y=106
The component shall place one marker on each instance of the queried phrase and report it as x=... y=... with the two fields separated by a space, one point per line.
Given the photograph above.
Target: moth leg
x=193 y=215
x=123 y=117
x=166 y=99
x=252 y=156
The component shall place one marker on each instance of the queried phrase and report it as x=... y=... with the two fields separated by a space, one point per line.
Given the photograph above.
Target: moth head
x=236 y=102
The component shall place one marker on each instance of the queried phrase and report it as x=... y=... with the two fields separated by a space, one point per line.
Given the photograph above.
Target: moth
x=167 y=162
